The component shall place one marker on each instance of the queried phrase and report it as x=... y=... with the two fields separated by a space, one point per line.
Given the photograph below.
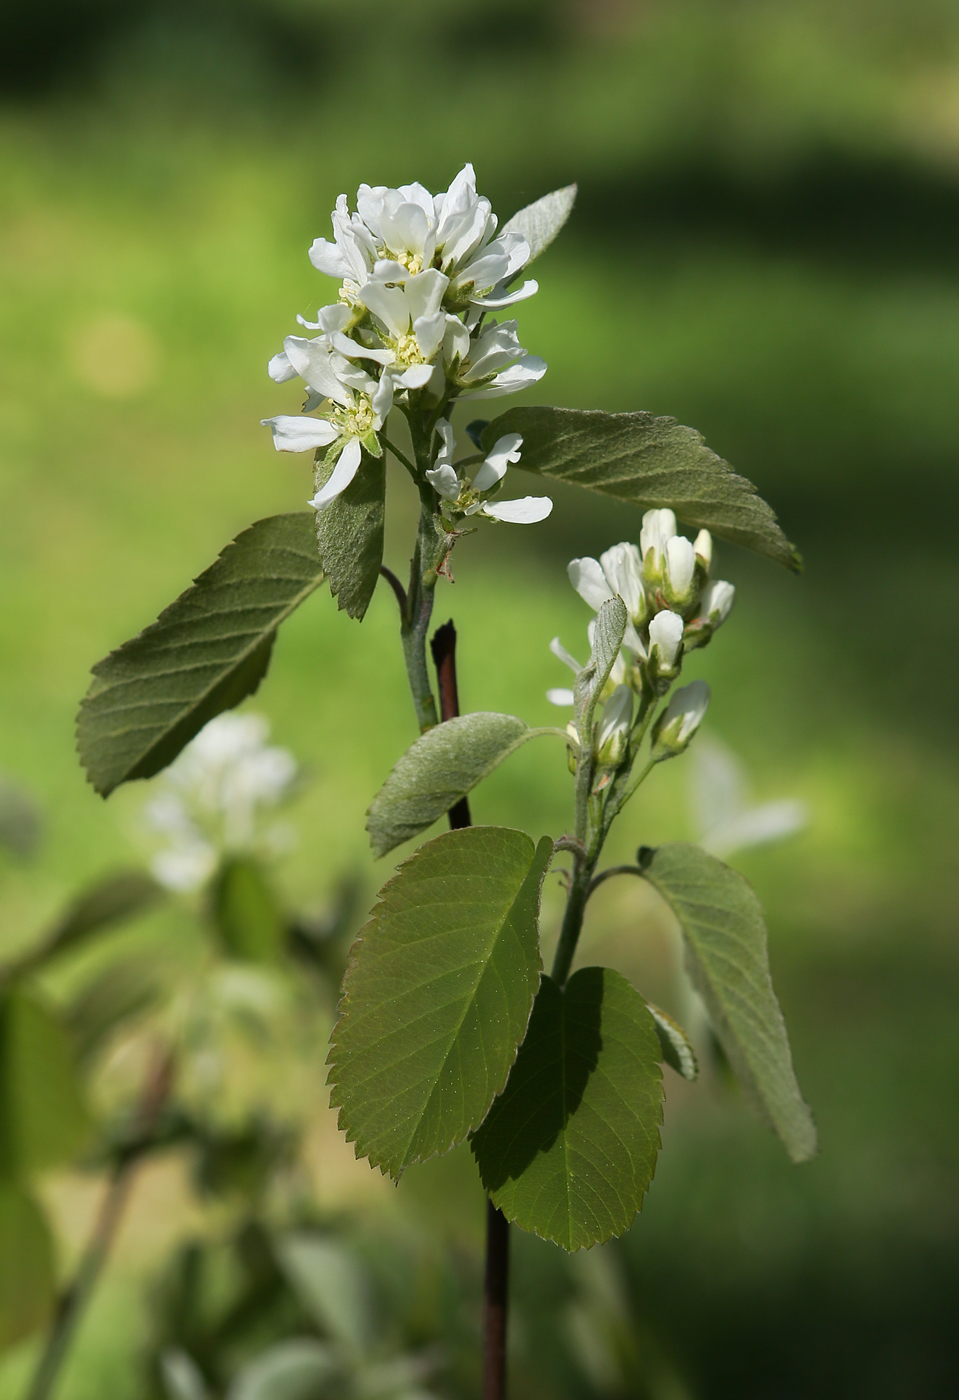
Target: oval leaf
x=245 y=911
x=607 y=640
x=541 y=221
x=349 y=533
x=727 y=959
x=27 y=1272
x=442 y=766
x=569 y=1148
x=650 y=462
x=43 y=1120
x=205 y=653
x=438 y=994
x=297 y=1369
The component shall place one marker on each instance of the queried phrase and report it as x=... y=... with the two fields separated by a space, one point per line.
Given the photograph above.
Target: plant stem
x=496 y=1277
x=74 y=1300
x=572 y=919
x=419 y=609
x=495 y=1303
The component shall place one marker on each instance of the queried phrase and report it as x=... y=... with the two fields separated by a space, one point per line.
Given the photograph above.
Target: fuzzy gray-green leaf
x=349 y=534
x=727 y=959
x=438 y=993
x=205 y=653
x=650 y=462
x=569 y=1148
x=541 y=221
x=608 y=634
x=442 y=766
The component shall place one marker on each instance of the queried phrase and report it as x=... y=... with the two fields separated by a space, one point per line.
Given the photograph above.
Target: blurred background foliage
x=765 y=246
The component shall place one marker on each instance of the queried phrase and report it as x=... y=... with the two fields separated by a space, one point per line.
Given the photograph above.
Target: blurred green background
x=766 y=246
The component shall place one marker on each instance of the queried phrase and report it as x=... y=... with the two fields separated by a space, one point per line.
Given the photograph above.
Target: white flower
x=617 y=573
x=359 y=407
x=560 y=695
x=665 y=640
x=612 y=732
x=717 y=602
x=681 y=718
x=723 y=817
x=703 y=548
x=410 y=325
x=448 y=484
x=491 y=365
x=679 y=570
x=213 y=794
x=397 y=234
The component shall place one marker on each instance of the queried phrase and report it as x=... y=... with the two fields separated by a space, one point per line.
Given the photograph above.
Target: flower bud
x=659 y=526
x=717 y=602
x=703 y=549
x=680 y=567
x=612 y=732
x=665 y=643
x=679 y=721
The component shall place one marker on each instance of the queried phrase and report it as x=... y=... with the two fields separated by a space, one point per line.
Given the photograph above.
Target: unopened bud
x=717 y=602
x=680 y=567
x=612 y=732
x=659 y=526
x=679 y=721
x=665 y=643
x=703 y=549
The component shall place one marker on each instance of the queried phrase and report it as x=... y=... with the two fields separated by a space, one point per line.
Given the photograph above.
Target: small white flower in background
x=723 y=818
x=213 y=795
x=681 y=718
x=469 y=497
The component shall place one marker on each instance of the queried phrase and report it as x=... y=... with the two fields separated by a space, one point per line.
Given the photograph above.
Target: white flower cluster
x=213 y=795
x=459 y=496
x=672 y=607
x=418 y=274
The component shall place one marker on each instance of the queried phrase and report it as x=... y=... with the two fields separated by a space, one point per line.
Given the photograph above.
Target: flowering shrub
x=449 y=1029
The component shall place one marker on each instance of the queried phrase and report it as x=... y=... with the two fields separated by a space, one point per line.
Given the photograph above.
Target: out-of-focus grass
x=148 y=271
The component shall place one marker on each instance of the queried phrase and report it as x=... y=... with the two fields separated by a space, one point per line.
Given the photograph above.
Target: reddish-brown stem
x=496 y=1280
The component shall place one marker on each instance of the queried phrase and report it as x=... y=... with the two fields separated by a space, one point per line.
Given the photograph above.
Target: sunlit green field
x=149 y=269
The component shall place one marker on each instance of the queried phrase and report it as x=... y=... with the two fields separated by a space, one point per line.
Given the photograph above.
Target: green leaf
x=297 y=1369
x=438 y=994
x=19 y=820
x=727 y=959
x=27 y=1271
x=43 y=1120
x=327 y=1278
x=206 y=652
x=246 y=913
x=349 y=534
x=569 y=1148
x=111 y=901
x=607 y=640
x=442 y=766
x=678 y=1053
x=650 y=462
x=541 y=221
x=112 y=995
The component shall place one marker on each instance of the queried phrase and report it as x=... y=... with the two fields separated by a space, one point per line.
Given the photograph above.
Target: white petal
x=587 y=577
x=624 y=570
x=680 y=564
x=559 y=651
x=525 y=511
x=343 y=473
x=300 y=434
x=311 y=360
x=505 y=450
x=448 y=442
x=389 y=304
x=424 y=292
x=280 y=369
x=352 y=351
x=559 y=695
x=429 y=332
x=500 y=297
x=415 y=377
x=383 y=397
x=444 y=480
x=666 y=633
x=327 y=257
x=386 y=270
x=512 y=380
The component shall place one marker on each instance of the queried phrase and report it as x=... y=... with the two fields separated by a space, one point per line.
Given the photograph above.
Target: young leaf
x=678 y=1053
x=442 y=766
x=27 y=1269
x=246 y=913
x=43 y=1120
x=349 y=534
x=300 y=1368
x=438 y=994
x=327 y=1278
x=727 y=959
x=607 y=640
x=649 y=462
x=569 y=1148
x=541 y=221
x=205 y=653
